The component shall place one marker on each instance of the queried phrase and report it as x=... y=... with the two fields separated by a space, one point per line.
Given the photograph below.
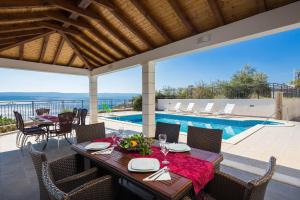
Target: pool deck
x=252 y=152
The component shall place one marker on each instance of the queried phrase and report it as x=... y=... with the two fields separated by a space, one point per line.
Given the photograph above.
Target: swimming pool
x=230 y=127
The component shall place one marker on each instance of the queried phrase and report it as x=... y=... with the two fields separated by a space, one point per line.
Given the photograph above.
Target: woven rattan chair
x=100 y=188
x=67 y=172
x=25 y=132
x=205 y=139
x=85 y=133
x=42 y=111
x=171 y=130
x=65 y=123
x=83 y=116
x=225 y=186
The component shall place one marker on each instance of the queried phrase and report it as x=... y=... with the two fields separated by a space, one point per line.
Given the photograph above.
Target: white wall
x=246 y=107
x=290 y=108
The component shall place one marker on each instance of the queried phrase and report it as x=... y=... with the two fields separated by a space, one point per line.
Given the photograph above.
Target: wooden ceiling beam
x=120 y=15
x=58 y=51
x=72 y=59
x=77 y=51
x=215 y=8
x=90 y=58
x=61 y=18
x=21 y=52
x=183 y=18
x=21 y=34
x=261 y=6
x=106 y=4
x=65 y=5
x=83 y=5
x=58 y=28
x=17 y=4
x=146 y=13
x=22 y=18
x=18 y=27
x=90 y=50
x=29 y=39
x=44 y=47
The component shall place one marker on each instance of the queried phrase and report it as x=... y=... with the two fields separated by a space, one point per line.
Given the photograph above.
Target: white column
x=93 y=99
x=148 y=81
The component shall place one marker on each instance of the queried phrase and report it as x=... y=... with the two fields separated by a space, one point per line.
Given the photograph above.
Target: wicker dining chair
x=225 y=186
x=85 y=133
x=171 y=130
x=83 y=116
x=42 y=111
x=25 y=132
x=67 y=172
x=100 y=188
x=65 y=123
x=205 y=139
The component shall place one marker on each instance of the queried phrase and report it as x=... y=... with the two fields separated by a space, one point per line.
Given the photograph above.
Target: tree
x=296 y=83
x=137 y=103
x=246 y=82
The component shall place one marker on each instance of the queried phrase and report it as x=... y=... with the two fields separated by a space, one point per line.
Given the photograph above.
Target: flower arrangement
x=138 y=143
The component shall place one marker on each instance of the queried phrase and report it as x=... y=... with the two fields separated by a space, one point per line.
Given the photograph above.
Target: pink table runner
x=195 y=169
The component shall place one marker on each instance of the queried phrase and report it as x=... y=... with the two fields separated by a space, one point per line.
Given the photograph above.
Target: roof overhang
x=41 y=67
x=267 y=23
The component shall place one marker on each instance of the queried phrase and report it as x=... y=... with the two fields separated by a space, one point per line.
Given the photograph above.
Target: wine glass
x=114 y=138
x=162 y=139
x=165 y=151
x=121 y=131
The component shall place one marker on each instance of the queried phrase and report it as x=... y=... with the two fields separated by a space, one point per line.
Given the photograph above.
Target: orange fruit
x=133 y=143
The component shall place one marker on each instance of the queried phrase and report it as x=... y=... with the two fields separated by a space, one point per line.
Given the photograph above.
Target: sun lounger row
x=208 y=109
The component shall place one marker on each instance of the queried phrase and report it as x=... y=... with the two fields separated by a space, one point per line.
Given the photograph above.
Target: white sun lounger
x=176 y=107
x=227 y=110
x=189 y=107
x=207 y=110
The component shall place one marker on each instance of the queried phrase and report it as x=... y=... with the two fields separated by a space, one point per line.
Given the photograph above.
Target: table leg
x=47 y=138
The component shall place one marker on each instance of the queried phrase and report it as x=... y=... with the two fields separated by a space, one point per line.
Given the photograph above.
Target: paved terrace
x=18 y=179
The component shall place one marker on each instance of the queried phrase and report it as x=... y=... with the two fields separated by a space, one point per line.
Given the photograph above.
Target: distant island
x=24 y=96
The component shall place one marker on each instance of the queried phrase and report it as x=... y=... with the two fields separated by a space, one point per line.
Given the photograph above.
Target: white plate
x=97 y=146
x=143 y=165
x=178 y=147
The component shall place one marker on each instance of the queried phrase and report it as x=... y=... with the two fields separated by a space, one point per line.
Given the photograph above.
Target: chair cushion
x=33 y=130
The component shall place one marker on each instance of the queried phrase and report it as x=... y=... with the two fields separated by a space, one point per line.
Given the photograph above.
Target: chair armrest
x=66 y=166
x=225 y=186
x=72 y=182
x=100 y=188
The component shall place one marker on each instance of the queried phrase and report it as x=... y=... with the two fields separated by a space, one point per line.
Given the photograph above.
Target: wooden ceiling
x=93 y=33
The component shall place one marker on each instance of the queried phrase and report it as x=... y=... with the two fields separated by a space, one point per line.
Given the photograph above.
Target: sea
x=27 y=102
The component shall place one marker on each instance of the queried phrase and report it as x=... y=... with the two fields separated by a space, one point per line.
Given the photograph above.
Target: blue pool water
x=230 y=127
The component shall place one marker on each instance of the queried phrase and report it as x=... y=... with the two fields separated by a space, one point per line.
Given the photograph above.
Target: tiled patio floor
x=18 y=180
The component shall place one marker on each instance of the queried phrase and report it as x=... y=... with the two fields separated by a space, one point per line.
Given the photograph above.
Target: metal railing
x=28 y=108
x=230 y=92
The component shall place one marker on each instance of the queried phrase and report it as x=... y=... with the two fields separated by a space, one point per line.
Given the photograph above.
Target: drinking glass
x=114 y=138
x=165 y=151
x=162 y=139
x=121 y=131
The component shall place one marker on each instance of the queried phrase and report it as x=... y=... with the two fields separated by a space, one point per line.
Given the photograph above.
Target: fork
x=164 y=171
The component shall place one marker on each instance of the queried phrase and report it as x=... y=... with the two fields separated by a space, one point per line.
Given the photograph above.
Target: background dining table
x=46 y=121
x=117 y=164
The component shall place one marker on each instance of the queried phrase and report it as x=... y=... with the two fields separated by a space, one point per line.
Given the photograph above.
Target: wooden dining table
x=117 y=164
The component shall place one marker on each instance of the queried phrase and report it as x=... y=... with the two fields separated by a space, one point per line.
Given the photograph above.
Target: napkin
x=163 y=177
x=104 y=151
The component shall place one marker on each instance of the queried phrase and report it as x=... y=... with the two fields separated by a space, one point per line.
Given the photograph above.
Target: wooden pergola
x=93 y=37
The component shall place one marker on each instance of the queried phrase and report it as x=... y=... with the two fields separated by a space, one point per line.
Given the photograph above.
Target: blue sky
x=276 y=55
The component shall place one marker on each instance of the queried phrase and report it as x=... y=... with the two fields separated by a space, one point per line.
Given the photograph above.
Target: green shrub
x=6 y=121
x=137 y=103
